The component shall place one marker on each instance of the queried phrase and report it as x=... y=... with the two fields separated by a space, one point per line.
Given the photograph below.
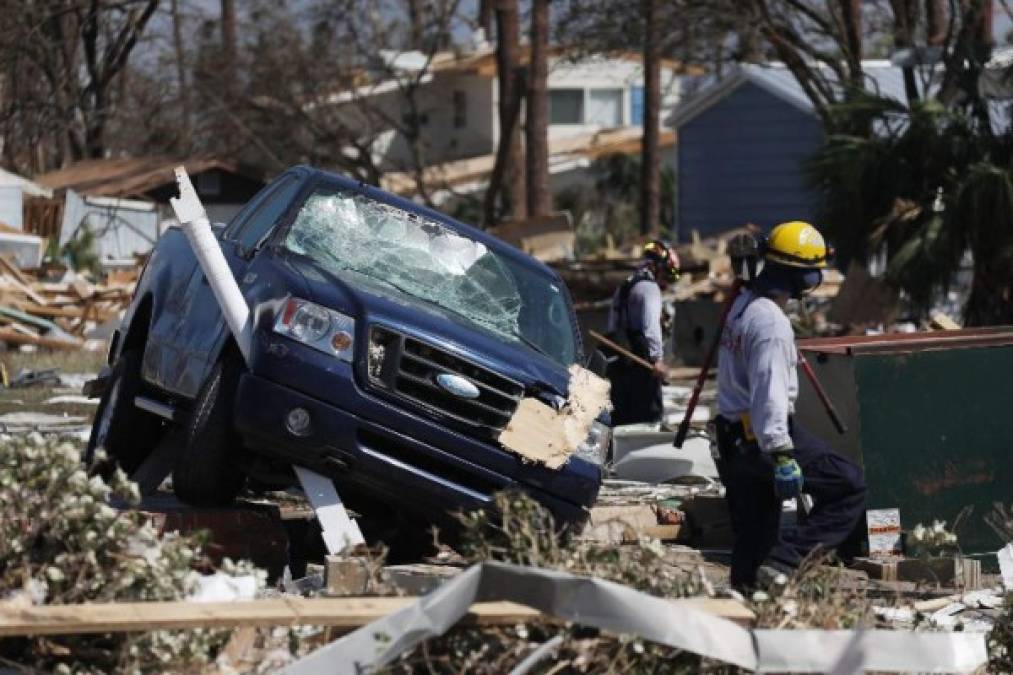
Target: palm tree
x=927 y=186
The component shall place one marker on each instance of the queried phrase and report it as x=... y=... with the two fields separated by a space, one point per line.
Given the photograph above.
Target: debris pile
x=63 y=543
x=69 y=312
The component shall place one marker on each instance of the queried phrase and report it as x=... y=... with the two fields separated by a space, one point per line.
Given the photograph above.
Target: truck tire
x=127 y=433
x=207 y=471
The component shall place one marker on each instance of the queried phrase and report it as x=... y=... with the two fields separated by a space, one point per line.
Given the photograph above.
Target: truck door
x=202 y=326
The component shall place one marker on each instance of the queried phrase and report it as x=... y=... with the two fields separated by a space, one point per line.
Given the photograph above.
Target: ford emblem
x=457 y=385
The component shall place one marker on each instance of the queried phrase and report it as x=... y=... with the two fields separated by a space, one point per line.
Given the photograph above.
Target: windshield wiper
x=531 y=343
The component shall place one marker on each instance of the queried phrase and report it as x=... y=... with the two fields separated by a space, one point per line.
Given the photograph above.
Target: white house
x=596 y=106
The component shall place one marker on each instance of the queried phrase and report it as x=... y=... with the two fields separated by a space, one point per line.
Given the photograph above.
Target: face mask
x=807 y=282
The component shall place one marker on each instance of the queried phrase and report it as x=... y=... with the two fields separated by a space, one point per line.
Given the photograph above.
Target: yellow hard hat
x=796 y=244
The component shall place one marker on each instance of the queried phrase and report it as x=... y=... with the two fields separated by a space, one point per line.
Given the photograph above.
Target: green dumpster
x=929 y=417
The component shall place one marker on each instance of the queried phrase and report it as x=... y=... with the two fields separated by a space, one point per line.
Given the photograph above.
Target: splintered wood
x=59 y=314
x=540 y=433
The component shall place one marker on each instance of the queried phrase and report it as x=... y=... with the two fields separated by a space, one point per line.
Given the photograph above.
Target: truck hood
x=371 y=301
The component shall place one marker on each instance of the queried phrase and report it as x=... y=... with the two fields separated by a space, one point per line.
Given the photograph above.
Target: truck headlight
x=318 y=327
x=595 y=446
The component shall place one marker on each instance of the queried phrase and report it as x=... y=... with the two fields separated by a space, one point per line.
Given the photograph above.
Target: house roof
x=483 y=62
x=562 y=153
x=28 y=187
x=779 y=81
x=479 y=62
x=130 y=176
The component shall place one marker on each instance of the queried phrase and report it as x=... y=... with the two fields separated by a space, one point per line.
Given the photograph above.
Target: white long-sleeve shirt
x=756 y=369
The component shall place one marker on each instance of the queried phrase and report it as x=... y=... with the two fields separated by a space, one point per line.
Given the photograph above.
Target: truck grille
x=408 y=368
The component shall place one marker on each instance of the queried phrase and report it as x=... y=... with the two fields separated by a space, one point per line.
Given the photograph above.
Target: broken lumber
x=16 y=338
x=946 y=571
x=127 y=617
x=340 y=614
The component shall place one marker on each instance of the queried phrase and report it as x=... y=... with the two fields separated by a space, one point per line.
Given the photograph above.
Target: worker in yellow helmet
x=764 y=456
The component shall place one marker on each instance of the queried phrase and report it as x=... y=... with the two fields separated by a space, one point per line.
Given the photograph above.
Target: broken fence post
x=194 y=221
x=338 y=529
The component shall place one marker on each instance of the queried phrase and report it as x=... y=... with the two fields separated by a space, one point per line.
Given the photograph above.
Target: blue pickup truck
x=391 y=345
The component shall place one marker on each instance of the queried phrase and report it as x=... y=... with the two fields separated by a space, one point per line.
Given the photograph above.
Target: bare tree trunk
x=851 y=18
x=229 y=39
x=490 y=213
x=415 y=16
x=507 y=67
x=537 y=125
x=485 y=12
x=935 y=22
x=181 y=83
x=905 y=17
x=985 y=40
x=650 y=163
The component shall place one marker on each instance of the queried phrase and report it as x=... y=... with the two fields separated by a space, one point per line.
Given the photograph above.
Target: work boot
x=772 y=576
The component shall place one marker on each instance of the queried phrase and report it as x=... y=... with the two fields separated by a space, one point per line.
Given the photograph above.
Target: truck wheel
x=207 y=471
x=127 y=433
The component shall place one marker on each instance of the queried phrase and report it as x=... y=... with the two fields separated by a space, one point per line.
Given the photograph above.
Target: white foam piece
x=662 y=462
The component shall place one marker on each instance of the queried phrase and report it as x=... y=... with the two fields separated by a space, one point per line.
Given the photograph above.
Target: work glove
x=787 y=476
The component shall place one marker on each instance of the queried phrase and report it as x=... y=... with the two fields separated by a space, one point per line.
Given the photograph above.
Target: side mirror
x=218 y=229
x=597 y=363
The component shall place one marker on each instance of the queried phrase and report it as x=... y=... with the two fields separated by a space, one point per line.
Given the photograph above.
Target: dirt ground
x=72 y=365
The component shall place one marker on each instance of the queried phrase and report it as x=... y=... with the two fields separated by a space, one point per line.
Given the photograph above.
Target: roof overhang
x=713 y=94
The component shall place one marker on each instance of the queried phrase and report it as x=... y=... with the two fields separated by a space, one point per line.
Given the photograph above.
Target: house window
x=566 y=106
x=605 y=107
x=460 y=109
x=209 y=184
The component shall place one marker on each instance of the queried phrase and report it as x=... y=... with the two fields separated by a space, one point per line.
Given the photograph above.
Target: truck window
x=365 y=241
x=266 y=215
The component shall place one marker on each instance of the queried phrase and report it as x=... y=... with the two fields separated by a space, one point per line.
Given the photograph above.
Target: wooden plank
x=13 y=337
x=83 y=289
x=14 y=270
x=726 y=608
x=56 y=312
x=29 y=319
x=340 y=613
x=24 y=288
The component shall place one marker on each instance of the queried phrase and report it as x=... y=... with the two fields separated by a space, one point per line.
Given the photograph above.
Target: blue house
x=743 y=144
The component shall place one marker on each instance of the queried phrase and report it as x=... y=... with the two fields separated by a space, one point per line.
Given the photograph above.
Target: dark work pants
x=835 y=484
x=636 y=393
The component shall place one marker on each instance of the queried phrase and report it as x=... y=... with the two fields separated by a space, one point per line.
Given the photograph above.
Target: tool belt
x=736 y=436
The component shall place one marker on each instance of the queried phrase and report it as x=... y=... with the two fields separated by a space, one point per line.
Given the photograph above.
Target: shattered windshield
x=348 y=232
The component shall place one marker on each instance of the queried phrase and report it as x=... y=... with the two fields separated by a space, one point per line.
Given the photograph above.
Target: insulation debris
x=540 y=433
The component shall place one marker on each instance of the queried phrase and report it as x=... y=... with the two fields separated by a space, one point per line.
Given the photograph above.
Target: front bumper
x=374 y=460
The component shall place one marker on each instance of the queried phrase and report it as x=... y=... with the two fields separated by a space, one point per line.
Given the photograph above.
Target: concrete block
x=346 y=575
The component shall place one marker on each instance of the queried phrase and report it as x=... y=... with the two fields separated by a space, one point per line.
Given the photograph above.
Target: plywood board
x=540 y=433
